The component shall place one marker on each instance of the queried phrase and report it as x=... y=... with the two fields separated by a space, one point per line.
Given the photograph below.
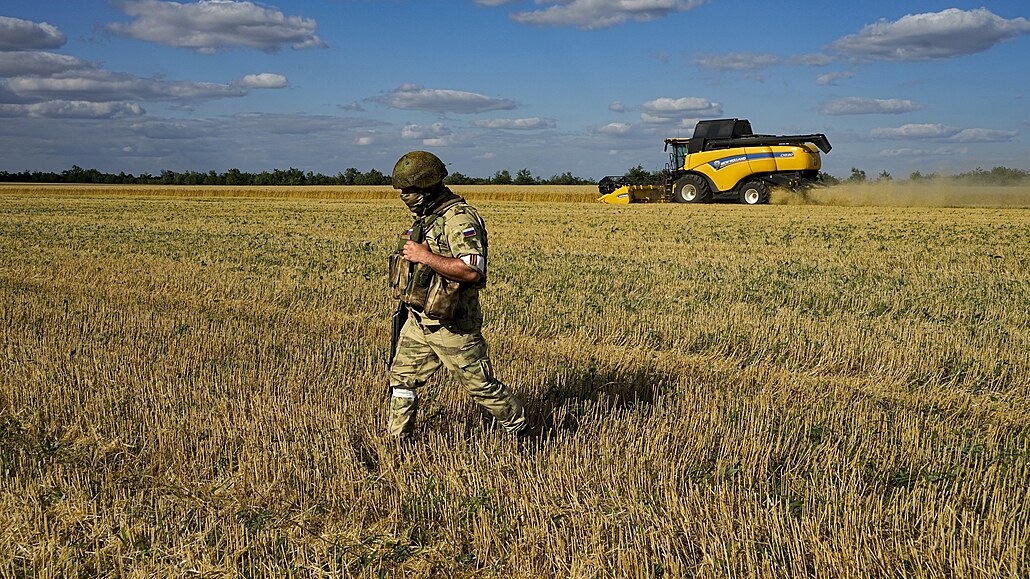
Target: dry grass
x=196 y=387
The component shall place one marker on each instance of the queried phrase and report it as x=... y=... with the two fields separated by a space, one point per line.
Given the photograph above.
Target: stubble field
x=194 y=384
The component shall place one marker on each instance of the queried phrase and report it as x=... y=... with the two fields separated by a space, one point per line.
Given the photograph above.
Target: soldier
x=437 y=271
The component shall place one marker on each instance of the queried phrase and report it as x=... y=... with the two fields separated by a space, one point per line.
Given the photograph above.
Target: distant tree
x=857 y=176
x=640 y=176
x=565 y=178
x=502 y=177
x=827 y=179
x=884 y=176
x=524 y=177
x=234 y=177
x=457 y=178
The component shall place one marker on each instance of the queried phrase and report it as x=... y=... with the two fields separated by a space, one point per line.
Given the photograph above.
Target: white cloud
x=211 y=25
x=72 y=110
x=435 y=130
x=591 y=14
x=18 y=34
x=666 y=110
x=418 y=98
x=104 y=86
x=868 y=106
x=937 y=132
x=38 y=84
x=916 y=131
x=932 y=35
x=983 y=136
x=39 y=64
x=833 y=77
x=615 y=129
x=527 y=124
x=617 y=107
x=437 y=142
x=264 y=80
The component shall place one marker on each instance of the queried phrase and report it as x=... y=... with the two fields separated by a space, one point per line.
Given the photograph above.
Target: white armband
x=476 y=262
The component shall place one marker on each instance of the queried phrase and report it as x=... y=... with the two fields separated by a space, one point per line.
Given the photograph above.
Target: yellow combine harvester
x=725 y=160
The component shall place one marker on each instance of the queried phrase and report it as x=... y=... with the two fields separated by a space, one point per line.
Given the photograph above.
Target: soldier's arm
x=452 y=268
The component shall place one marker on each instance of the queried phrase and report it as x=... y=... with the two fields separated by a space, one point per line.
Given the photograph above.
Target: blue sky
x=587 y=86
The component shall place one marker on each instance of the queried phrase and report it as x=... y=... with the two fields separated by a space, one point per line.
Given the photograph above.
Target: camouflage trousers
x=421 y=350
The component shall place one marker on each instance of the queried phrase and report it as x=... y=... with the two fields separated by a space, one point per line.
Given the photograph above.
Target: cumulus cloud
x=434 y=131
x=39 y=64
x=983 y=136
x=614 y=129
x=18 y=34
x=915 y=131
x=208 y=26
x=418 y=98
x=932 y=35
x=264 y=80
x=938 y=132
x=527 y=124
x=869 y=106
x=104 y=86
x=38 y=84
x=592 y=14
x=667 y=110
x=72 y=110
x=617 y=107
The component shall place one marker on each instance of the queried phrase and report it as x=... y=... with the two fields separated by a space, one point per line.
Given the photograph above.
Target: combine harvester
x=724 y=160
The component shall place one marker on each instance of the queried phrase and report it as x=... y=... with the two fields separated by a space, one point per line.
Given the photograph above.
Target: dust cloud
x=907 y=194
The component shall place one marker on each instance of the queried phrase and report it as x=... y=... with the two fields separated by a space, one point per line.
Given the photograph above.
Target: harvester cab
x=725 y=160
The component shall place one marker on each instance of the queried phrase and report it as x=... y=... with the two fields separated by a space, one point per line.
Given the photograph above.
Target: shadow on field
x=569 y=399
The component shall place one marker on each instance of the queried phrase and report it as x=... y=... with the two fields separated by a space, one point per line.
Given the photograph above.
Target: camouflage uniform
x=426 y=344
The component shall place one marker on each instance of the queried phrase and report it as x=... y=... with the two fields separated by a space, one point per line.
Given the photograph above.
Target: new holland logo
x=722 y=163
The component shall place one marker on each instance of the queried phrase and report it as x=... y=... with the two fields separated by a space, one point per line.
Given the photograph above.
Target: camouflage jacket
x=459 y=232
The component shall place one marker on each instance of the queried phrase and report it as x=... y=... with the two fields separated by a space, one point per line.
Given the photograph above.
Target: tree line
x=291 y=176
x=980 y=176
x=352 y=176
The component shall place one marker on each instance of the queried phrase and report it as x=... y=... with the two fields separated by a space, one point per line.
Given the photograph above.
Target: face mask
x=414 y=201
x=418 y=200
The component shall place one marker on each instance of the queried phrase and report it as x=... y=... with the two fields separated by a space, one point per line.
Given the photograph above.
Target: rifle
x=397 y=322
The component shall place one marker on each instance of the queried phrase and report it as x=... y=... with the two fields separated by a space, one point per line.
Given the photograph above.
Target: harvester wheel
x=692 y=189
x=754 y=192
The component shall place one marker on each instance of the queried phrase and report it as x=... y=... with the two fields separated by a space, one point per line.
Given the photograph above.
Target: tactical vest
x=418 y=285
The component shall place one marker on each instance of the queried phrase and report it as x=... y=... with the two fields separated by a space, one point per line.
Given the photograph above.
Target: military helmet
x=420 y=169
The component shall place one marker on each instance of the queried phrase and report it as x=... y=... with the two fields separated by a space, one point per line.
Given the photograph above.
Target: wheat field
x=194 y=385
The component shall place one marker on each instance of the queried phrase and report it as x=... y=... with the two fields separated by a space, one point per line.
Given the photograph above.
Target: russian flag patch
x=470 y=232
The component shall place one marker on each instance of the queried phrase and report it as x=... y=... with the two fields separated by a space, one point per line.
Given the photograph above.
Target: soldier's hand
x=416 y=252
